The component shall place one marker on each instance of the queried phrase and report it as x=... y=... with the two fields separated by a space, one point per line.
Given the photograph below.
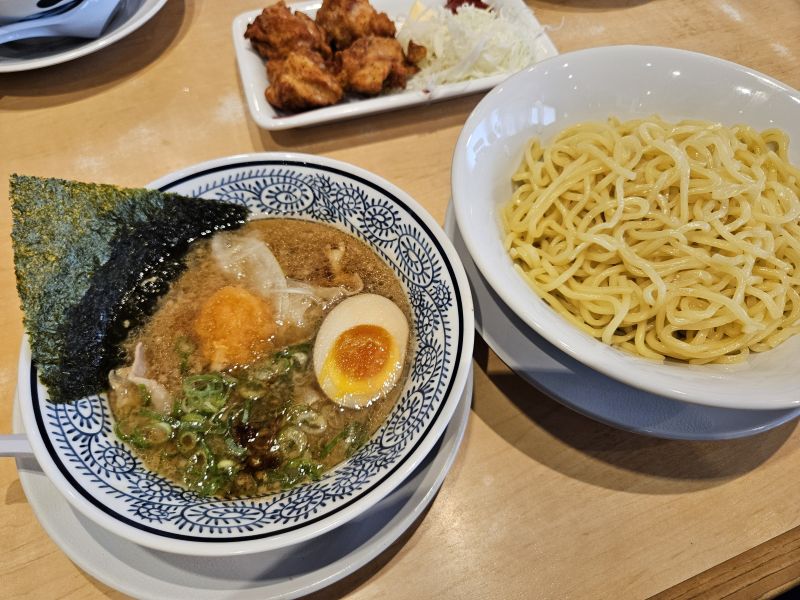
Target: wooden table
x=541 y=502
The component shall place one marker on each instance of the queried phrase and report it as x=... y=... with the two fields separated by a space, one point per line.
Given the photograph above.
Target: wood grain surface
x=541 y=502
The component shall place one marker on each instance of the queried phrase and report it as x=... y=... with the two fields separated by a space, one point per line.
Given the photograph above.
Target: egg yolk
x=361 y=366
x=362 y=351
x=234 y=327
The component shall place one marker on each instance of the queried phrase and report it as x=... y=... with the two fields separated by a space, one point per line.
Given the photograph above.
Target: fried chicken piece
x=344 y=21
x=274 y=68
x=415 y=52
x=276 y=32
x=301 y=81
x=372 y=64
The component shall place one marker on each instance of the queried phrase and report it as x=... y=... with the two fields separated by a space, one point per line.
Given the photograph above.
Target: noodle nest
x=676 y=240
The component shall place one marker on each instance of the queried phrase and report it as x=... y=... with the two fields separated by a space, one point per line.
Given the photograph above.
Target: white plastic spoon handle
x=15 y=445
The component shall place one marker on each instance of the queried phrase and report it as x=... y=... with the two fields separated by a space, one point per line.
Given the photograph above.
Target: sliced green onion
x=277 y=366
x=305 y=417
x=186 y=440
x=226 y=464
x=124 y=428
x=297 y=471
x=203 y=424
x=151 y=434
x=354 y=435
x=184 y=347
x=155 y=416
x=147 y=399
x=143 y=432
x=251 y=390
x=233 y=418
x=198 y=466
x=292 y=442
x=210 y=485
x=164 y=428
x=328 y=448
x=168 y=453
x=235 y=448
x=282 y=363
x=207 y=393
x=193 y=420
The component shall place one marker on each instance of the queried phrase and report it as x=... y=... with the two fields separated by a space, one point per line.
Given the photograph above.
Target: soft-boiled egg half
x=360 y=350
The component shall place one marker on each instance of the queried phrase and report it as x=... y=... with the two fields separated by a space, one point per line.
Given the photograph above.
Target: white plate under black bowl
x=283 y=573
x=589 y=392
x=75 y=443
x=43 y=52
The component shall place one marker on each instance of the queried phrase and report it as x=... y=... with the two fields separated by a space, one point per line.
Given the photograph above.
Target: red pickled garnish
x=454 y=5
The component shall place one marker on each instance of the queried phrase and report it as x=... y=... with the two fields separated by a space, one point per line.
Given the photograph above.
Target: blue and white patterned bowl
x=104 y=480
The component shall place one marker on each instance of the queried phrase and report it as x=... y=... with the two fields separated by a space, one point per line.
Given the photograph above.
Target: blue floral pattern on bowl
x=80 y=437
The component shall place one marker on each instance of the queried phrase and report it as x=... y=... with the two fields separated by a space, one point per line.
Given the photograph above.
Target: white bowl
x=627 y=82
x=74 y=442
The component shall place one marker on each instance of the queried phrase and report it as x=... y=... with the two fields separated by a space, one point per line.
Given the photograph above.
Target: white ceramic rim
x=453 y=437
x=142 y=16
x=623 y=370
x=199 y=548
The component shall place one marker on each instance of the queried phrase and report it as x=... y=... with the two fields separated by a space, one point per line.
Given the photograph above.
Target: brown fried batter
x=415 y=52
x=276 y=32
x=301 y=81
x=372 y=64
x=301 y=71
x=345 y=21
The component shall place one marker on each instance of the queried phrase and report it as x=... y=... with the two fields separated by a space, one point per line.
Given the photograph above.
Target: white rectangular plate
x=254 y=76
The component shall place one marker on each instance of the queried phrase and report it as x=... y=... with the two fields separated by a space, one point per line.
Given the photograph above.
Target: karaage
x=277 y=31
x=301 y=81
x=372 y=64
x=304 y=72
x=344 y=21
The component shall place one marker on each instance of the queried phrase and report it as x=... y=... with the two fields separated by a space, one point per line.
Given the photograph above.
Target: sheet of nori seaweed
x=91 y=261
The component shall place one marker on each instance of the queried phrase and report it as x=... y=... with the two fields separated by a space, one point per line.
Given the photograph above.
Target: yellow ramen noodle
x=677 y=240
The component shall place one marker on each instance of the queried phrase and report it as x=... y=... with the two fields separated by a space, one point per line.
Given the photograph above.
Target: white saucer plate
x=589 y=392
x=44 y=52
x=254 y=78
x=283 y=573
x=75 y=443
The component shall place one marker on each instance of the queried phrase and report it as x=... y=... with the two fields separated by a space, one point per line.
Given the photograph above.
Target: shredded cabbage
x=471 y=44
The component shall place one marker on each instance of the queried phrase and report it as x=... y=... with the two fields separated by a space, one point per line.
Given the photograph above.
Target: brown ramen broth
x=222 y=394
